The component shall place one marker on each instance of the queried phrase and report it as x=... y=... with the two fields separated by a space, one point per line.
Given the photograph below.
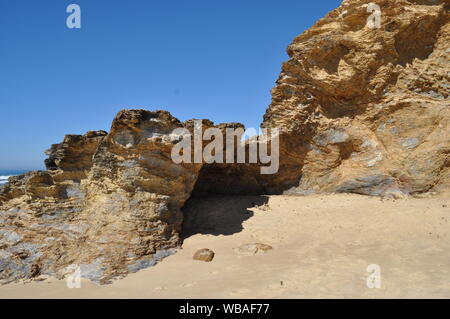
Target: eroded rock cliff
x=366 y=110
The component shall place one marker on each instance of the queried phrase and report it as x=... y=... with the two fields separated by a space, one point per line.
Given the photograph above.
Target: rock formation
x=360 y=109
x=108 y=203
x=367 y=110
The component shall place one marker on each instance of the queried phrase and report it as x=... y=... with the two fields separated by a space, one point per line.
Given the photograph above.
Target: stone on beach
x=204 y=254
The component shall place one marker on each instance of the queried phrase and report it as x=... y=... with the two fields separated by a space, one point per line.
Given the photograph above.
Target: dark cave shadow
x=218 y=214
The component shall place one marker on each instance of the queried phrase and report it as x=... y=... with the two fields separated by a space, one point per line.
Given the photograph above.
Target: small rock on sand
x=204 y=254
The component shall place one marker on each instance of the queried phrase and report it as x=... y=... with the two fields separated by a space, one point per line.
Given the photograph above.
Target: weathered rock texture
x=366 y=110
x=360 y=110
x=109 y=203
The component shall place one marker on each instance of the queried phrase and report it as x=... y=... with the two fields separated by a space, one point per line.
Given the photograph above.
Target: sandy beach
x=322 y=246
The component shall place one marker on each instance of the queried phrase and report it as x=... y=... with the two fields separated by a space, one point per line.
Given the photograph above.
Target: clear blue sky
x=197 y=59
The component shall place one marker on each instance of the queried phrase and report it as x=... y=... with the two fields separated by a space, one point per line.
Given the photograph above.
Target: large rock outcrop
x=359 y=109
x=367 y=110
x=108 y=203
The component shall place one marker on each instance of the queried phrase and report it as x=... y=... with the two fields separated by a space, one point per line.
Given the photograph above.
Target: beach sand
x=322 y=246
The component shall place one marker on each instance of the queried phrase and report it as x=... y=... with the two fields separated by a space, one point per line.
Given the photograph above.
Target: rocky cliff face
x=362 y=110
x=366 y=110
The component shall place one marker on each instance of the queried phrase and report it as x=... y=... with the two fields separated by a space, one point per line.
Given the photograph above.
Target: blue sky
x=197 y=59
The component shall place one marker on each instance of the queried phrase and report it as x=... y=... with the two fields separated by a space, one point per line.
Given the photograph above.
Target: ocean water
x=6 y=173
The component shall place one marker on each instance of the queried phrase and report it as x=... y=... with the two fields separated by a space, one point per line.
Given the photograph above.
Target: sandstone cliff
x=367 y=110
x=361 y=110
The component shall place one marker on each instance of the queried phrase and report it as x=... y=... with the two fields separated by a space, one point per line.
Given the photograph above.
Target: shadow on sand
x=218 y=215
